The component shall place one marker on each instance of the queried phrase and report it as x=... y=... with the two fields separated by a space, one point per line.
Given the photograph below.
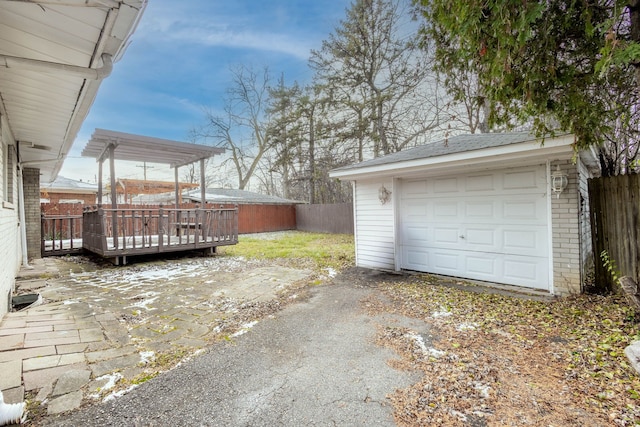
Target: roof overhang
x=535 y=150
x=54 y=55
x=140 y=148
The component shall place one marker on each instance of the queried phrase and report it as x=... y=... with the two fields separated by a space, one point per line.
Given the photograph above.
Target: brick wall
x=31 y=183
x=566 y=233
x=88 y=199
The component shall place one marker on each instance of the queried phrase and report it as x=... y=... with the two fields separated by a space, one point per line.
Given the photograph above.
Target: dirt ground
x=497 y=360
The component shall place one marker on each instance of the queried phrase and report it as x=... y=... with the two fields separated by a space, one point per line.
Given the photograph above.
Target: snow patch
x=331 y=272
x=112 y=379
x=442 y=313
x=147 y=356
x=466 y=327
x=116 y=394
x=245 y=329
x=419 y=341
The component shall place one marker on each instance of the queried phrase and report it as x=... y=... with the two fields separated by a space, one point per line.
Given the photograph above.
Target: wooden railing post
x=160 y=228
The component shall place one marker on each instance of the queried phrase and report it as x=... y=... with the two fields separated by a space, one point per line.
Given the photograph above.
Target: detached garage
x=506 y=208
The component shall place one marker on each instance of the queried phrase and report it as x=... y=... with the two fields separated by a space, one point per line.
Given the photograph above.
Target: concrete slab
x=11 y=342
x=91 y=335
x=97 y=356
x=11 y=322
x=52 y=341
x=113 y=365
x=71 y=381
x=633 y=354
x=13 y=395
x=34 y=380
x=65 y=403
x=71 y=348
x=24 y=330
x=52 y=361
x=51 y=335
x=44 y=393
x=27 y=353
x=11 y=376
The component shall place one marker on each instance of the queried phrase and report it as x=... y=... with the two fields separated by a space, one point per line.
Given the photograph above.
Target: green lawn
x=325 y=250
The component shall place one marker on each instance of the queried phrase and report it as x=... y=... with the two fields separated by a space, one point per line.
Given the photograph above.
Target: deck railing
x=61 y=234
x=132 y=231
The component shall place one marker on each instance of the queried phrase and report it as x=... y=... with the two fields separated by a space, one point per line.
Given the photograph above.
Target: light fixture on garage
x=559 y=181
x=383 y=194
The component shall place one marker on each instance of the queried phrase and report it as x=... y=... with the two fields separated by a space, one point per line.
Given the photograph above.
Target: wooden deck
x=61 y=235
x=120 y=233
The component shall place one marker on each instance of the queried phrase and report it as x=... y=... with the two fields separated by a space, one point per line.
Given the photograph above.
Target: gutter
x=55 y=67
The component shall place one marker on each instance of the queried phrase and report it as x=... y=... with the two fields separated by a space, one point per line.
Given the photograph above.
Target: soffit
x=45 y=106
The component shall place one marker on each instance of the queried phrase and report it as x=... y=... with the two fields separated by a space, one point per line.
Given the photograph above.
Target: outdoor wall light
x=559 y=181
x=384 y=195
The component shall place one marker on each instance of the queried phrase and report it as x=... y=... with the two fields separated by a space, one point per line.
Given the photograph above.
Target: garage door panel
x=517 y=240
x=444 y=236
x=519 y=180
x=445 y=210
x=484 y=182
x=482 y=266
x=446 y=262
x=416 y=235
x=417 y=257
x=483 y=237
x=480 y=209
x=532 y=272
x=446 y=185
x=521 y=210
x=487 y=226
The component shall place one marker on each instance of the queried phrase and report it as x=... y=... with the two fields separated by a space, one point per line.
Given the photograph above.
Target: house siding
x=374 y=226
x=10 y=246
x=566 y=228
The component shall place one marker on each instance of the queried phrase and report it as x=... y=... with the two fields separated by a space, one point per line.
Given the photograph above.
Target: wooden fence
x=615 y=226
x=331 y=218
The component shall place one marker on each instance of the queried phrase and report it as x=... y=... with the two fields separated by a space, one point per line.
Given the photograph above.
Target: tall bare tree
x=373 y=69
x=242 y=127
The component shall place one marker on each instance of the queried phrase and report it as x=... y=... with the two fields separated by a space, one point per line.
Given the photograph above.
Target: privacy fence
x=334 y=218
x=615 y=227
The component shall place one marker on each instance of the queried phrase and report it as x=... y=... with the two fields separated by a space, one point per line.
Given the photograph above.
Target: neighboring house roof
x=227 y=195
x=53 y=57
x=67 y=185
x=139 y=186
x=461 y=150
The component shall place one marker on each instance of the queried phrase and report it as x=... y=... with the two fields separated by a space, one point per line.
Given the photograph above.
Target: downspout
x=21 y=213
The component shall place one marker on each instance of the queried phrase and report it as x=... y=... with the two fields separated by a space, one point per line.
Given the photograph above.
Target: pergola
x=112 y=145
x=117 y=233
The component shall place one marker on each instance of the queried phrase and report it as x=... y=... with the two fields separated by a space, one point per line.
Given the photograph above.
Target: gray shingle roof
x=62 y=183
x=452 y=145
x=228 y=195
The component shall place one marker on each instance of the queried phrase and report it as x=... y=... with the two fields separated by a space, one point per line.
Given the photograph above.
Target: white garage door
x=488 y=226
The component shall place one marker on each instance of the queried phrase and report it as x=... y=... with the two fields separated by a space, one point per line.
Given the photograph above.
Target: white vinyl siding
x=374 y=226
x=10 y=246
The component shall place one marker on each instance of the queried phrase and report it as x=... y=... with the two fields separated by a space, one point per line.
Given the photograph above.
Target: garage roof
x=146 y=149
x=461 y=150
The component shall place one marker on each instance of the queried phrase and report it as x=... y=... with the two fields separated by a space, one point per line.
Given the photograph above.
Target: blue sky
x=178 y=64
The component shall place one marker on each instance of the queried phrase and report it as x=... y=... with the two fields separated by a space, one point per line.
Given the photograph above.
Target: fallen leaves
x=502 y=360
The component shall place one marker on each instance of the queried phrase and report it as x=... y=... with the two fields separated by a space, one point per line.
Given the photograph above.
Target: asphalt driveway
x=313 y=363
